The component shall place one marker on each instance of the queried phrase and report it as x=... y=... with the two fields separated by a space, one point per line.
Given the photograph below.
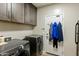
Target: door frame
x=45 y=35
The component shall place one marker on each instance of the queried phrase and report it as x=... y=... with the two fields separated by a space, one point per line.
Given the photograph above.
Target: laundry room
x=39 y=29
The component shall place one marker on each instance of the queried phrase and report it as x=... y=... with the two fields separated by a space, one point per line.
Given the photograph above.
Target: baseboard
x=52 y=54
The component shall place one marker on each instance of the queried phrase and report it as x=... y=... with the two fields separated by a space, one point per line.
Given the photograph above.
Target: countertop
x=12 y=44
x=34 y=36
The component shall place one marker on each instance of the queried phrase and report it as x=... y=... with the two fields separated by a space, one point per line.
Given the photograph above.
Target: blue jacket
x=60 y=32
x=54 y=31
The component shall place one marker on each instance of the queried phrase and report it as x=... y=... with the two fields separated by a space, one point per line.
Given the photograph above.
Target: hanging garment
x=60 y=32
x=55 y=34
x=50 y=38
x=55 y=43
x=55 y=31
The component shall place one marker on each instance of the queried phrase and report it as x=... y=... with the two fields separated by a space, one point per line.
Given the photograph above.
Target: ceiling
x=41 y=4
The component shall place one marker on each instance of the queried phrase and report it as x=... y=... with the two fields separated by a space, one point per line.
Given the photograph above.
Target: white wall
x=71 y=14
x=16 y=31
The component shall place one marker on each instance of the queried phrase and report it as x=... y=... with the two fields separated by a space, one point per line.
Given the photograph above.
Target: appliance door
x=77 y=38
x=77 y=50
x=77 y=33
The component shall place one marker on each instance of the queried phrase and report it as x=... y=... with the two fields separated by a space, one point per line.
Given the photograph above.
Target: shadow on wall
x=6 y=26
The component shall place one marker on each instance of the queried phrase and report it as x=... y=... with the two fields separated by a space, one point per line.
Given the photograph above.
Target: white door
x=49 y=44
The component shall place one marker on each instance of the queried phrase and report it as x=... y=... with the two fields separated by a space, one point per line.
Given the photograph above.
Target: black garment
x=49 y=34
x=50 y=29
x=60 y=32
x=55 y=43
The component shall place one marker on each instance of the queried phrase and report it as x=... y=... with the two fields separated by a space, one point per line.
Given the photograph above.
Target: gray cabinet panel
x=30 y=14
x=18 y=12
x=5 y=11
x=27 y=13
x=33 y=14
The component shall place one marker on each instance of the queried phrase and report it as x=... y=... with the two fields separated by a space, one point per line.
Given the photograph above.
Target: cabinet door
x=33 y=14
x=27 y=13
x=5 y=11
x=18 y=12
x=30 y=14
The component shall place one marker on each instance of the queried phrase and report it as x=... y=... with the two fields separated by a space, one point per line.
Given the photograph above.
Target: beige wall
x=18 y=31
x=71 y=15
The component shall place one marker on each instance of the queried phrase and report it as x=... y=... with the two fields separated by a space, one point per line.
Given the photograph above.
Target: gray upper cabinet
x=5 y=11
x=18 y=12
x=30 y=14
x=25 y=13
